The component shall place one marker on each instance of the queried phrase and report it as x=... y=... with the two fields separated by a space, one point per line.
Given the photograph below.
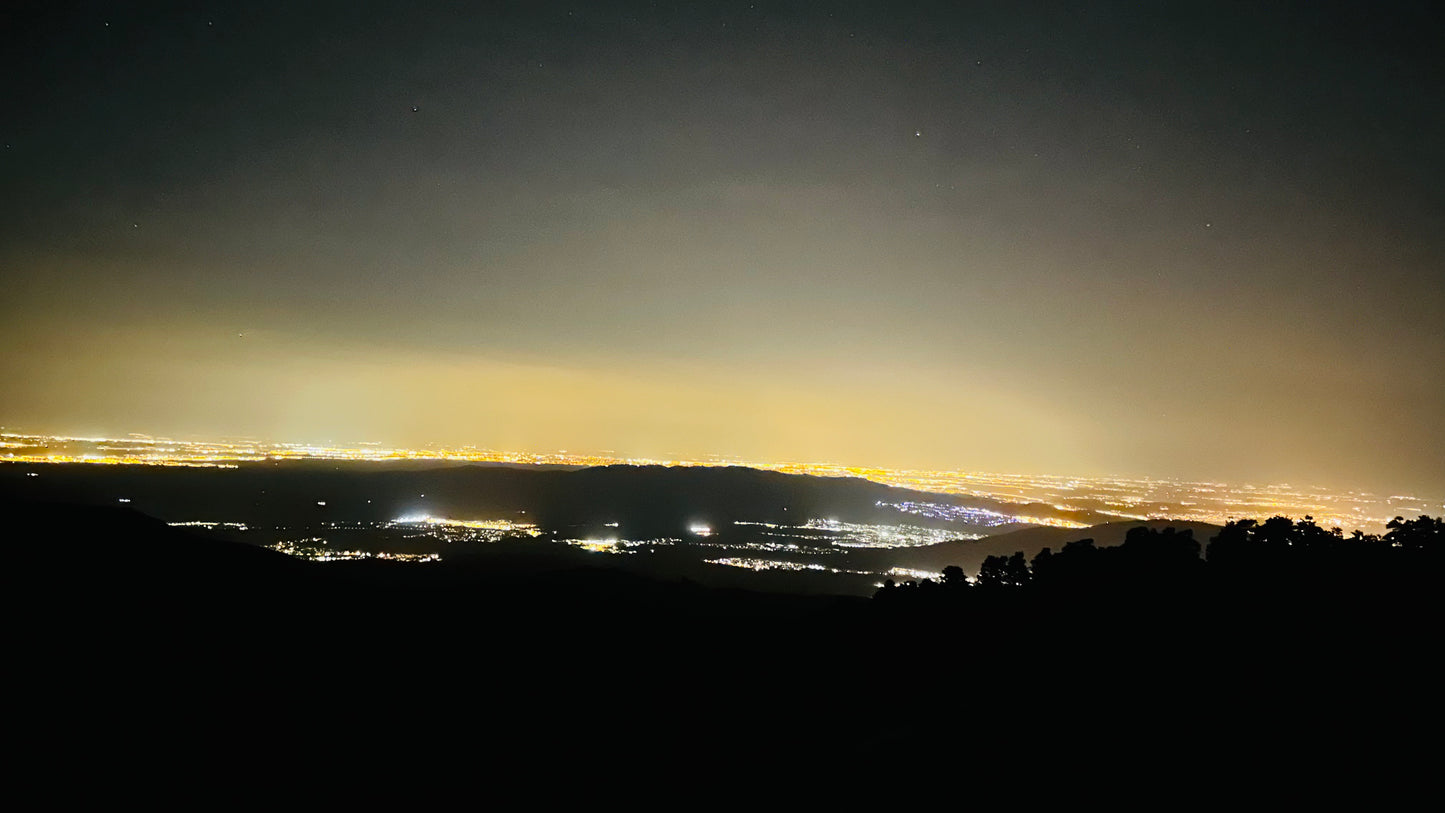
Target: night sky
x=1199 y=240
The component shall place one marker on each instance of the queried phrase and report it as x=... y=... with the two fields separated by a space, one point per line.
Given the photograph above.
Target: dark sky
x=1200 y=240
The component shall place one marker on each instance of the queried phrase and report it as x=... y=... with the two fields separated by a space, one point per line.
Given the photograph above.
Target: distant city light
x=1098 y=498
x=501 y=525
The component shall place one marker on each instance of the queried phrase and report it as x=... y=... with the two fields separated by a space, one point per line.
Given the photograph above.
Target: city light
x=1114 y=498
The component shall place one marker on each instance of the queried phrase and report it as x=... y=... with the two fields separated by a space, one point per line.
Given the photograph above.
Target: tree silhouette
x=1016 y=570
x=993 y=572
x=954 y=578
x=1417 y=535
x=1042 y=565
x=1253 y=567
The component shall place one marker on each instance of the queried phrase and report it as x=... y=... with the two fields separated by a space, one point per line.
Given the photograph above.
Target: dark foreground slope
x=133 y=644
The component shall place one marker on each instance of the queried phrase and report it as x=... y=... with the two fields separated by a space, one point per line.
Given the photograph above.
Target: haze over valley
x=781 y=526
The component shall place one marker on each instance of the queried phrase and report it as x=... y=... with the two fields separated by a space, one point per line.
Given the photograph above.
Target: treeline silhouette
x=1288 y=642
x=1276 y=646
x=1247 y=558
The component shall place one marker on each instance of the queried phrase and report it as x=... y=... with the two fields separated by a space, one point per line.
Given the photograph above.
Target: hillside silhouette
x=1271 y=642
x=650 y=500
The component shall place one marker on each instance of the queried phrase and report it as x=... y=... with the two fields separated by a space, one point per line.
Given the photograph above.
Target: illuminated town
x=1121 y=497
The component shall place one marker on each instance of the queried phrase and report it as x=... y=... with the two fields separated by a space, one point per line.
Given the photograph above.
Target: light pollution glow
x=1177 y=240
x=1125 y=498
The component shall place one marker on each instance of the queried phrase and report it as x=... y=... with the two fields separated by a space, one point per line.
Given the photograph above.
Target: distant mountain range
x=644 y=500
x=786 y=533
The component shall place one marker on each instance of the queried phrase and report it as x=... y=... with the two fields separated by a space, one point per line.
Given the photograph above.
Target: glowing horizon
x=1123 y=498
x=1189 y=242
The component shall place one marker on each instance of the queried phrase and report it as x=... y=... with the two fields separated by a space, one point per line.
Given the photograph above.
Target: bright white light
x=699 y=530
x=599 y=545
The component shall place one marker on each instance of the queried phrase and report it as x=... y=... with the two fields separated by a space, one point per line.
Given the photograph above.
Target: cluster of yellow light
x=616 y=545
x=749 y=563
x=766 y=547
x=315 y=550
x=858 y=535
x=831 y=535
x=126 y=460
x=768 y=564
x=601 y=545
x=1054 y=522
x=1148 y=498
x=408 y=557
x=503 y=525
x=1125 y=498
x=914 y=573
